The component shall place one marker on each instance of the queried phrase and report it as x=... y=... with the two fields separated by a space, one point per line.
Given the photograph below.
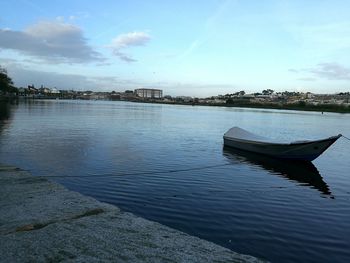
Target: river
x=167 y=163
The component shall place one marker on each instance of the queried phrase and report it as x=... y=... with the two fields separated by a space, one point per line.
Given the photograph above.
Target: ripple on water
x=166 y=163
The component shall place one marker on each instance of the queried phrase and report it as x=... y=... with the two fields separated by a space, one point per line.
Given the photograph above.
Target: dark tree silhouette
x=6 y=83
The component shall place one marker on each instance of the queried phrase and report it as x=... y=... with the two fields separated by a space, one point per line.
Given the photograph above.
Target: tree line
x=6 y=83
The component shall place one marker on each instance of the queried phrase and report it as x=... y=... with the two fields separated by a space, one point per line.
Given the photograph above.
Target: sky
x=192 y=48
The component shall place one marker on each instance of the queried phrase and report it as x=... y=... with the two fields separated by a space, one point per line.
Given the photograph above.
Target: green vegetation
x=6 y=83
x=301 y=105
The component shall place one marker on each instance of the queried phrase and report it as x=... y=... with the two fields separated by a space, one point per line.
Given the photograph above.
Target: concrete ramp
x=41 y=221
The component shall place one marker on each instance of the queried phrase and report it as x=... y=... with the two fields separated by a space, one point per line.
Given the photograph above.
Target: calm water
x=167 y=163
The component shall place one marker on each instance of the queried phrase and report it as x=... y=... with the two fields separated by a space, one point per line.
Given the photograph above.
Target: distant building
x=149 y=93
x=55 y=91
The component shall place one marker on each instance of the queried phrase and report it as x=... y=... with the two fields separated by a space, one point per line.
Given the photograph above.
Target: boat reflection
x=302 y=172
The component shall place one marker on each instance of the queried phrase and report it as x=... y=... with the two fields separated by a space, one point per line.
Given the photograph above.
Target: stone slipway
x=41 y=221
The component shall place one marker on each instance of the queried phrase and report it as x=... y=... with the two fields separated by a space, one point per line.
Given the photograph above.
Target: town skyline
x=192 y=49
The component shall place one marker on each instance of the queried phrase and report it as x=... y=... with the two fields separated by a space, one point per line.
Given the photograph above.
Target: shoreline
x=42 y=221
x=313 y=108
x=334 y=108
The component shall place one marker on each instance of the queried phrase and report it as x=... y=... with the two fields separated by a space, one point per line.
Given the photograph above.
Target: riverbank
x=301 y=106
x=273 y=106
x=41 y=221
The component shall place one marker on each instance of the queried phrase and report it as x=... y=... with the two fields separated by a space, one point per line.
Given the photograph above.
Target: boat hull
x=305 y=151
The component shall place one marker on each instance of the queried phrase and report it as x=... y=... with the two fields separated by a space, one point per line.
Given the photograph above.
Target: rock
x=41 y=221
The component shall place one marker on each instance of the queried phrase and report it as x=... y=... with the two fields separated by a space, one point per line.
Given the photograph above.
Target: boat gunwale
x=336 y=137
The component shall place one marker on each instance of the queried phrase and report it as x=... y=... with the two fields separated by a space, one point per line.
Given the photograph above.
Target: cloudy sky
x=196 y=48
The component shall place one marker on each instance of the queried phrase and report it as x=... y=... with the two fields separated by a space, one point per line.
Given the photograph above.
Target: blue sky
x=196 y=48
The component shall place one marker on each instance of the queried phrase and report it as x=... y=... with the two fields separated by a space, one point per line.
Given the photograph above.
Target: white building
x=149 y=93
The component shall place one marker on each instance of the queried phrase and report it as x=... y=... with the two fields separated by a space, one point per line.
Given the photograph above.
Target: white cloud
x=128 y=40
x=25 y=75
x=131 y=39
x=51 y=41
x=332 y=71
x=22 y=75
x=329 y=71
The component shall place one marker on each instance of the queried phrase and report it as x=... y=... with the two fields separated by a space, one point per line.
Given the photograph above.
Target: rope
x=146 y=173
x=141 y=173
x=346 y=137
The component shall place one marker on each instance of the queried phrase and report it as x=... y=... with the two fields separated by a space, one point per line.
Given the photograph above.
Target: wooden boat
x=299 y=150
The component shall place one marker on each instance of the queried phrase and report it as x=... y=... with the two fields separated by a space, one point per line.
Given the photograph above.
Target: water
x=166 y=163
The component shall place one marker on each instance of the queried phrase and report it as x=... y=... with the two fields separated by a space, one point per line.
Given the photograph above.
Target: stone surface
x=41 y=221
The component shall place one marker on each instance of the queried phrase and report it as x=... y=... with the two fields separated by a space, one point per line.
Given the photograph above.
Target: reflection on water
x=244 y=203
x=5 y=113
x=4 y=110
x=304 y=173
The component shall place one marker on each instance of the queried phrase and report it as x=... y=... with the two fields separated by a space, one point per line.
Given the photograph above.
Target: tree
x=267 y=92
x=6 y=83
x=229 y=101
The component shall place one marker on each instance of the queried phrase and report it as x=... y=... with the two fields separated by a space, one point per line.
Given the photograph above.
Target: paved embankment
x=41 y=221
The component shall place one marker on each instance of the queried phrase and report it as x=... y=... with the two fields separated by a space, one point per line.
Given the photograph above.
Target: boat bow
x=298 y=150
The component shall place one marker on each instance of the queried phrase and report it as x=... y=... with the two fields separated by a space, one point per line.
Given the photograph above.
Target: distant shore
x=274 y=106
x=301 y=106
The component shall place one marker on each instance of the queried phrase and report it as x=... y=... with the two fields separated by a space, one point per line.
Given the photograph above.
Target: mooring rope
x=146 y=173
x=139 y=173
x=345 y=137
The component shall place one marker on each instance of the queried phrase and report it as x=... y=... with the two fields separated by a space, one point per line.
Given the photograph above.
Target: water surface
x=167 y=163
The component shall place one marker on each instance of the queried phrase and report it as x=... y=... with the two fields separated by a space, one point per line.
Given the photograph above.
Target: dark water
x=167 y=163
